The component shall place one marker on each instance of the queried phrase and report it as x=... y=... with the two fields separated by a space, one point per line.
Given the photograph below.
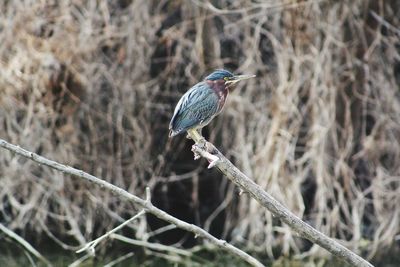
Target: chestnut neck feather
x=220 y=89
x=218 y=86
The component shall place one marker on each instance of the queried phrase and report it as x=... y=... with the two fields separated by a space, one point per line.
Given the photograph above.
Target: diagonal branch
x=143 y=203
x=216 y=158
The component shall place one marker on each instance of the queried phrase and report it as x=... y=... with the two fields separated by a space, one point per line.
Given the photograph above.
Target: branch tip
x=214 y=160
x=148 y=195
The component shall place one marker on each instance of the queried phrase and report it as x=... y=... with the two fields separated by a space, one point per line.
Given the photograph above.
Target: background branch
x=24 y=244
x=247 y=185
x=92 y=244
x=144 y=203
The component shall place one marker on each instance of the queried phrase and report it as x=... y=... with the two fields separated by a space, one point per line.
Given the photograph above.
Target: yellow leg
x=196 y=136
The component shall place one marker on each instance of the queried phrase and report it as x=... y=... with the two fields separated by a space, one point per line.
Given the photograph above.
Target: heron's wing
x=196 y=106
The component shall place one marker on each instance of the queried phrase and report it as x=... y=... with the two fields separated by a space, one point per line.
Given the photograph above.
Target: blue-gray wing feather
x=196 y=107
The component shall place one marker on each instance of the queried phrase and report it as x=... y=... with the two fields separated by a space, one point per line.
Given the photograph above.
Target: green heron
x=205 y=100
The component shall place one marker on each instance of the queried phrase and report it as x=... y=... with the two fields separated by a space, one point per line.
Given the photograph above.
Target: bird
x=202 y=102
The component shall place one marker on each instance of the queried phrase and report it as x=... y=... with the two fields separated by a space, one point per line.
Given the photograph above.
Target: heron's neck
x=221 y=90
x=218 y=86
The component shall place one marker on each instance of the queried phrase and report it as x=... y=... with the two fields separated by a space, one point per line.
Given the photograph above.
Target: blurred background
x=93 y=84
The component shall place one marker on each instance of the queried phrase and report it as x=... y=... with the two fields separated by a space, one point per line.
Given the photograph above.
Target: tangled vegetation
x=93 y=84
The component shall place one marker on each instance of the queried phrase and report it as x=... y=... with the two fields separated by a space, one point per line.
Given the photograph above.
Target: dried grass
x=93 y=84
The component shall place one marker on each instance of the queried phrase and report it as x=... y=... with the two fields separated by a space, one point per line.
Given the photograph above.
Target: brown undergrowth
x=93 y=84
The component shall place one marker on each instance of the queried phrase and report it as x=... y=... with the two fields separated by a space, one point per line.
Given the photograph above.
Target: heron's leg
x=195 y=134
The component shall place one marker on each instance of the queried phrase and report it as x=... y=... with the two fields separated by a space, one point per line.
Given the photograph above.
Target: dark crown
x=218 y=75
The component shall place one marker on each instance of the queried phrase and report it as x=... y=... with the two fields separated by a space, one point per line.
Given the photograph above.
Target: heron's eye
x=226 y=78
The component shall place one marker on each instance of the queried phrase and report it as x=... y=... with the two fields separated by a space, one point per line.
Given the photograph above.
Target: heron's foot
x=205 y=149
x=202 y=143
x=196 y=154
x=196 y=151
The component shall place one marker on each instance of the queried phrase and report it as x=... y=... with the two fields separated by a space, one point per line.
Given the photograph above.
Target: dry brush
x=93 y=83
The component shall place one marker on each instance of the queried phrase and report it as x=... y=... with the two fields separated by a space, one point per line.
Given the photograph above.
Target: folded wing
x=195 y=109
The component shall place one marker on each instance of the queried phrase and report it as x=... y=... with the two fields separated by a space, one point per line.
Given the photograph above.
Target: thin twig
x=120 y=259
x=247 y=185
x=148 y=206
x=385 y=23
x=154 y=246
x=25 y=244
x=159 y=231
x=79 y=261
x=92 y=244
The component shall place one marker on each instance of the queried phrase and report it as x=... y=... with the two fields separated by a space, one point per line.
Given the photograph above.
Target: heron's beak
x=238 y=78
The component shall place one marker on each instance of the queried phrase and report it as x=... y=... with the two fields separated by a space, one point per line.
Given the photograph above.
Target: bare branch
x=92 y=244
x=159 y=247
x=145 y=204
x=120 y=259
x=25 y=244
x=79 y=261
x=276 y=208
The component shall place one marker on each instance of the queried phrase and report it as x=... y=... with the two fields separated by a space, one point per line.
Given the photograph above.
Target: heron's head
x=227 y=76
